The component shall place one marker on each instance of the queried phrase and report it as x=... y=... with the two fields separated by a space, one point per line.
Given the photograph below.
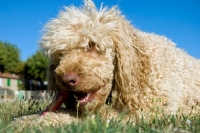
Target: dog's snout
x=70 y=79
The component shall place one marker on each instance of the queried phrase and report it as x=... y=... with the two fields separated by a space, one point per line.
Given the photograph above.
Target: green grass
x=157 y=124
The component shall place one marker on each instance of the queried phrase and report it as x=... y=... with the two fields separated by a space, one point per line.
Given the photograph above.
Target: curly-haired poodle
x=98 y=57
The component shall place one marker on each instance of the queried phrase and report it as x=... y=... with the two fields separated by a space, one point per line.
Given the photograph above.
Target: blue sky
x=21 y=21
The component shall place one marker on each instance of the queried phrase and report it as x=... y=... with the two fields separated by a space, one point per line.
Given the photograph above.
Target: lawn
x=179 y=123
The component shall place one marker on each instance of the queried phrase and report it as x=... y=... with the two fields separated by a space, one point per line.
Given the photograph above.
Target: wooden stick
x=60 y=98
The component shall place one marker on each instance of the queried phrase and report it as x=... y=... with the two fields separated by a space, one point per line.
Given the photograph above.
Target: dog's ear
x=132 y=67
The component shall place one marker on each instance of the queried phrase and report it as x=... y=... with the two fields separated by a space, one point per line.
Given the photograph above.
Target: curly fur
x=107 y=52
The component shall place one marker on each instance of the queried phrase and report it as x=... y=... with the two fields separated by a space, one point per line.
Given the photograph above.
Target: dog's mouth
x=83 y=98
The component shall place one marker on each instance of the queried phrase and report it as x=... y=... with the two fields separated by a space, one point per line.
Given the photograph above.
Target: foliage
x=2 y=56
x=163 y=124
x=36 y=67
x=33 y=68
x=2 y=53
x=10 y=58
x=11 y=110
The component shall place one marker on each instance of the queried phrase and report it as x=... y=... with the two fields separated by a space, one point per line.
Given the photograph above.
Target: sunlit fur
x=107 y=51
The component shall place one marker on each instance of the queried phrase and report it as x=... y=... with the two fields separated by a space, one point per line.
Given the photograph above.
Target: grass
x=157 y=124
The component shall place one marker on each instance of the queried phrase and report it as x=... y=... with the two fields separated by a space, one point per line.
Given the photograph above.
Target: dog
x=97 y=57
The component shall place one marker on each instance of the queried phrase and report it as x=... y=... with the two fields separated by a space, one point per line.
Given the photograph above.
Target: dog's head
x=88 y=50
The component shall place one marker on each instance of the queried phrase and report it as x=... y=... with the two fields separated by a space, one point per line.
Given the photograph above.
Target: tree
x=2 y=56
x=36 y=67
x=10 y=58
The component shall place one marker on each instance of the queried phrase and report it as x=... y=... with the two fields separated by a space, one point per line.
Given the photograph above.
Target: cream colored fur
x=106 y=51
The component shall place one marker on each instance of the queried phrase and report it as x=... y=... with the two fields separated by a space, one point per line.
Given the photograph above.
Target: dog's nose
x=70 y=79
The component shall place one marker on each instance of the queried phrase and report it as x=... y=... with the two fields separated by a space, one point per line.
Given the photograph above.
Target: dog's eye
x=91 y=46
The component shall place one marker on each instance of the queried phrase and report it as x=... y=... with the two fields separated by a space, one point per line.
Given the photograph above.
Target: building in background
x=11 y=88
x=9 y=84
